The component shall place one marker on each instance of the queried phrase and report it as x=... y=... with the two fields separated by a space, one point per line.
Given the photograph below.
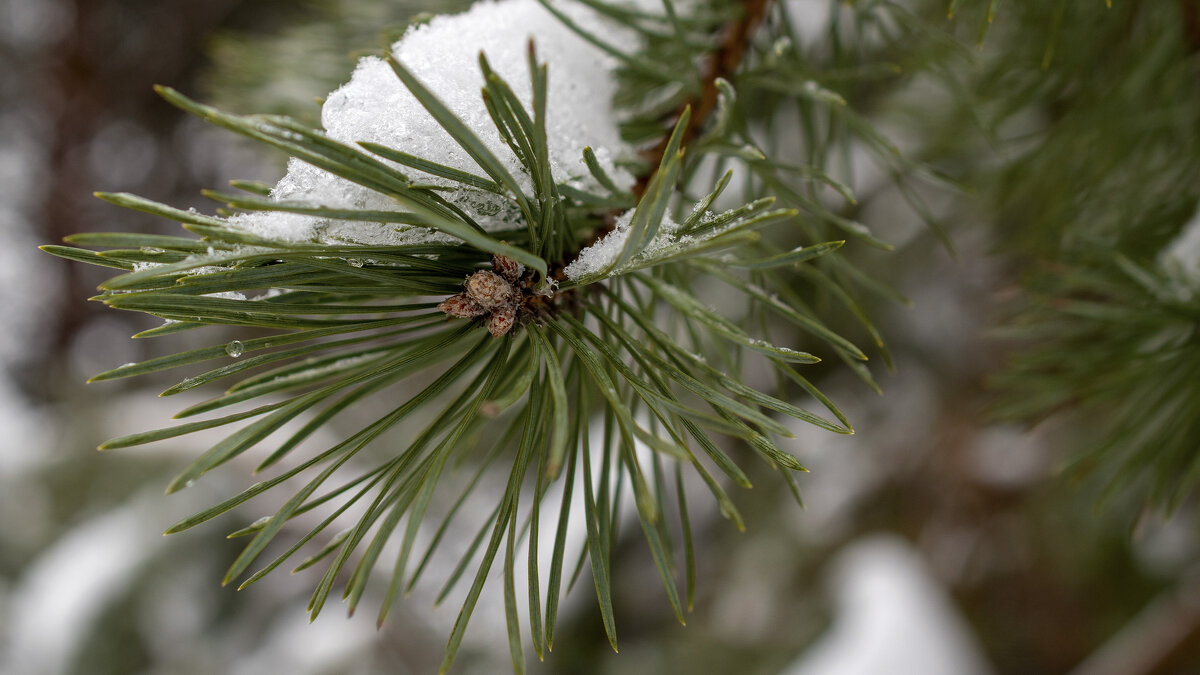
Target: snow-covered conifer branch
x=522 y=225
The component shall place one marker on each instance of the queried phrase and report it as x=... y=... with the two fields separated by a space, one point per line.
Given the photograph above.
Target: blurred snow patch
x=294 y=646
x=891 y=433
x=890 y=617
x=1007 y=456
x=1167 y=546
x=122 y=153
x=27 y=25
x=55 y=603
x=27 y=432
x=809 y=18
x=1184 y=252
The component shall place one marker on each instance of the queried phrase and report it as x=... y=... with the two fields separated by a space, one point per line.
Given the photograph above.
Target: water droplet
x=235 y=348
x=189 y=483
x=153 y=249
x=355 y=262
x=261 y=522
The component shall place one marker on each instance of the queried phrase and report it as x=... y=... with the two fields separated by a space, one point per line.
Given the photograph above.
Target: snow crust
x=597 y=257
x=443 y=54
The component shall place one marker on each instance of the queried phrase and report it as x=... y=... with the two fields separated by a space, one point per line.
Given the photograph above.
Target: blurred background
x=936 y=540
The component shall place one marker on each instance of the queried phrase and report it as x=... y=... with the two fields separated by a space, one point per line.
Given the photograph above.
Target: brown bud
x=508 y=268
x=462 y=306
x=502 y=320
x=490 y=290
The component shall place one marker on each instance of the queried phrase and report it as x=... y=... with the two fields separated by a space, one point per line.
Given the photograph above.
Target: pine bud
x=461 y=306
x=502 y=320
x=490 y=290
x=508 y=268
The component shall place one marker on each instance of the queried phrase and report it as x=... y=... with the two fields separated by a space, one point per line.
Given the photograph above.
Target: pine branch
x=512 y=367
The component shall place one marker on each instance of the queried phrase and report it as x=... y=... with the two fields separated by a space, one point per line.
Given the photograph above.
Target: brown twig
x=722 y=63
x=1191 y=21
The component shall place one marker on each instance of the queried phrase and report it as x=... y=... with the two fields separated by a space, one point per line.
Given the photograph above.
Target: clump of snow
x=597 y=258
x=443 y=54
